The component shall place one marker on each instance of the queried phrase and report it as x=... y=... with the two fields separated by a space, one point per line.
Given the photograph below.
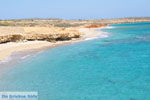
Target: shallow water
x=112 y=68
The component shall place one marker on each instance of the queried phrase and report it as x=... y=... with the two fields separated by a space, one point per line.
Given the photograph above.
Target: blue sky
x=73 y=9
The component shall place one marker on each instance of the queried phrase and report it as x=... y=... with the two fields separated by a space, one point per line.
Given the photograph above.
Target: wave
x=24 y=57
x=109 y=27
x=101 y=35
x=91 y=38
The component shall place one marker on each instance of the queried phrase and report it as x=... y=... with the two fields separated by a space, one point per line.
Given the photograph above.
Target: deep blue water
x=113 y=68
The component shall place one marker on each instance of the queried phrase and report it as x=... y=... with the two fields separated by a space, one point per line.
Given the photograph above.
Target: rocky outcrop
x=95 y=26
x=11 y=38
x=39 y=33
x=52 y=37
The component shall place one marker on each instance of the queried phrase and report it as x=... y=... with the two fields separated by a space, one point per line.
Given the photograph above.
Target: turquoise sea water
x=113 y=68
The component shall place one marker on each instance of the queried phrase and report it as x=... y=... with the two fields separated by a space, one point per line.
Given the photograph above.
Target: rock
x=95 y=26
x=39 y=33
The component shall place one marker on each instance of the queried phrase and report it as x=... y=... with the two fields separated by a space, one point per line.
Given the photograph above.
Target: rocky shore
x=53 y=30
x=26 y=34
x=16 y=34
x=29 y=38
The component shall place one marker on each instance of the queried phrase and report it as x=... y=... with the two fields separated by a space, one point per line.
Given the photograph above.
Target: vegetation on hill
x=68 y=23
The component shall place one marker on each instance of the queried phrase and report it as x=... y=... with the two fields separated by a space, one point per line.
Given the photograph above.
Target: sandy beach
x=6 y=49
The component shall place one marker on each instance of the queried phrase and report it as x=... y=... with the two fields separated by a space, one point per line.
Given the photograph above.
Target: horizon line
x=71 y=19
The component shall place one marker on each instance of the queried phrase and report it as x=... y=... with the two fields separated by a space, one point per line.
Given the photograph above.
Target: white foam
x=101 y=34
x=90 y=38
x=24 y=57
x=108 y=27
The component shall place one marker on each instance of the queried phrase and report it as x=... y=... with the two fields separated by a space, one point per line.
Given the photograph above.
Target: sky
x=74 y=9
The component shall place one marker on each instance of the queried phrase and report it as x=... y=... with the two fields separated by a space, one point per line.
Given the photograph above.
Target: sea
x=116 y=67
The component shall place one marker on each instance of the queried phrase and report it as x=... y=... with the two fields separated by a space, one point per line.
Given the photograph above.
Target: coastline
x=8 y=49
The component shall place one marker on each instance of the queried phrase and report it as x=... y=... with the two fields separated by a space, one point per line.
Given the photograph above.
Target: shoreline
x=8 y=49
